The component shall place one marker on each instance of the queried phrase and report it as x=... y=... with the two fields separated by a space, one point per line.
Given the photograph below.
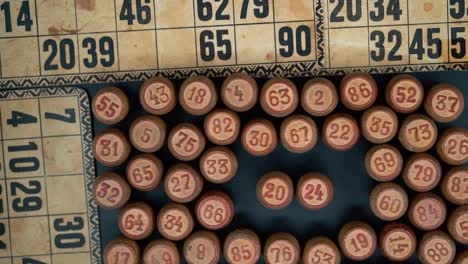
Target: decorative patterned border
x=302 y=69
x=291 y=69
x=87 y=139
x=294 y=69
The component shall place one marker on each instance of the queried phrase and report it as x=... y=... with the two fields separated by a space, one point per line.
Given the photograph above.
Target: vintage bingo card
x=47 y=214
x=85 y=41
x=389 y=35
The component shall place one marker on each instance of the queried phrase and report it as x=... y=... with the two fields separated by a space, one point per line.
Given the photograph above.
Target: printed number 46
x=142 y=14
x=23 y=19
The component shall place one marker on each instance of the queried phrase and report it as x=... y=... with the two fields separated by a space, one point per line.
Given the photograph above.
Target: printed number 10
x=22 y=20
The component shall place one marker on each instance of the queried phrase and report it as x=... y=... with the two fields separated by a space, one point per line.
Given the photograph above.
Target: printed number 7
x=69 y=117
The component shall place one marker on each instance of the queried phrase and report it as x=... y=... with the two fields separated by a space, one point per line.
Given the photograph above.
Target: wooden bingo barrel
x=111 y=147
x=182 y=183
x=379 y=124
x=314 y=191
x=158 y=96
x=422 y=172
x=436 y=247
x=388 y=201
x=404 y=94
x=218 y=165
x=357 y=240
x=110 y=191
x=383 y=162
x=458 y=224
x=319 y=97
x=427 y=211
x=462 y=258
x=148 y=133
x=321 y=250
x=122 y=250
x=455 y=186
x=452 y=146
x=242 y=246
x=222 y=127
x=186 y=142
x=281 y=248
x=110 y=105
x=136 y=221
x=397 y=242
x=214 y=210
x=197 y=95
x=418 y=133
x=202 y=247
x=279 y=97
x=358 y=91
x=161 y=251
x=340 y=132
x=175 y=222
x=444 y=103
x=298 y=134
x=275 y=190
x=144 y=172
x=259 y=137
x=239 y=92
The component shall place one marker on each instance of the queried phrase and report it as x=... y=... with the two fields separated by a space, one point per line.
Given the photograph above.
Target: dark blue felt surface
x=345 y=169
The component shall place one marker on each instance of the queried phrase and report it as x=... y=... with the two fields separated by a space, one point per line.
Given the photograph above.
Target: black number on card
x=31 y=261
x=104 y=54
x=1 y=200
x=394 y=36
x=458 y=42
x=19 y=118
x=2 y=232
x=292 y=42
x=68 y=117
x=22 y=20
x=353 y=10
x=65 y=49
x=143 y=12
x=432 y=47
x=458 y=9
x=205 y=10
x=392 y=9
x=69 y=240
x=29 y=203
x=261 y=8
x=24 y=164
x=211 y=46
